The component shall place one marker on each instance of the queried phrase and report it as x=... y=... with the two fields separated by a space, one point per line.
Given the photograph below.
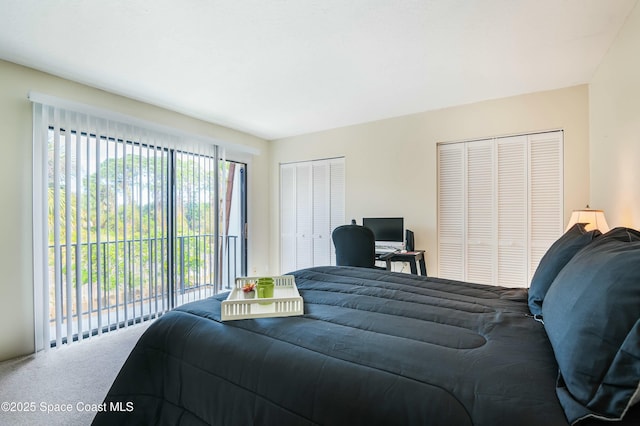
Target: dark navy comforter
x=373 y=347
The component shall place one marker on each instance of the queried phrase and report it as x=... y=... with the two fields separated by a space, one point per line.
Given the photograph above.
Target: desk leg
x=414 y=267
x=388 y=264
x=423 y=267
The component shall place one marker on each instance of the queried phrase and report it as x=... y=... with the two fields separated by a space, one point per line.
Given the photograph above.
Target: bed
x=378 y=347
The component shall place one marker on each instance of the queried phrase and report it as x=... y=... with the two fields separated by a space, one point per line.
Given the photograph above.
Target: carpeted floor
x=64 y=386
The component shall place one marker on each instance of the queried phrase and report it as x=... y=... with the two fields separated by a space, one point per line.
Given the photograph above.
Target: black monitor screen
x=386 y=228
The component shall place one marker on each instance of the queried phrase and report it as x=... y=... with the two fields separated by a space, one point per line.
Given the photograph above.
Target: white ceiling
x=277 y=68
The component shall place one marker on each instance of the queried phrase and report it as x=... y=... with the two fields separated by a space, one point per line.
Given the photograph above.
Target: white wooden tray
x=286 y=300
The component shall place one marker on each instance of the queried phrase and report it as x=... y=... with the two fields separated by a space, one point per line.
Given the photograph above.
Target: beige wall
x=16 y=284
x=614 y=97
x=391 y=164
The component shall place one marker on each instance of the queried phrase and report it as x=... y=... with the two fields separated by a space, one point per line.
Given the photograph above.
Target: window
x=128 y=223
x=499 y=207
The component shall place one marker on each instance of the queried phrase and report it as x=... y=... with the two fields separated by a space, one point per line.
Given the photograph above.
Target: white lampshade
x=593 y=219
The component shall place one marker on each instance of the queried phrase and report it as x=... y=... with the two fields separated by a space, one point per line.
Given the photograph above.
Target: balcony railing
x=132 y=281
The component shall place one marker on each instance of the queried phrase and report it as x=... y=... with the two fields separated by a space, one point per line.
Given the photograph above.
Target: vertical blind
x=126 y=223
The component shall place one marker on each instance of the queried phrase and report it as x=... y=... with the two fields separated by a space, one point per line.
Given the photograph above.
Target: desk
x=412 y=257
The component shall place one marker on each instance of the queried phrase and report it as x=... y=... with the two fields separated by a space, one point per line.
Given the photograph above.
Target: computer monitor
x=389 y=231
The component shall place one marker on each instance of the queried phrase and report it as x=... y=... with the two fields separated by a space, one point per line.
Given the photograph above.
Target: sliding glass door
x=233 y=220
x=198 y=254
x=135 y=225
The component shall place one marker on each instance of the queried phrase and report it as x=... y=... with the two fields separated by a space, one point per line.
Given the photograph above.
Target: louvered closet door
x=304 y=216
x=546 y=174
x=480 y=234
x=337 y=201
x=451 y=211
x=312 y=204
x=499 y=207
x=328 y=208
x=287 y=218
x=321 y=213
x=512 y=200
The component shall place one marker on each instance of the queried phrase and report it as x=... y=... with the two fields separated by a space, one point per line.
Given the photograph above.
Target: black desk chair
x=355 y=246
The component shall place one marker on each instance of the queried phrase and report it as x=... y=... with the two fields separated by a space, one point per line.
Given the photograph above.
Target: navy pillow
x=558 y=255
x=592 y=317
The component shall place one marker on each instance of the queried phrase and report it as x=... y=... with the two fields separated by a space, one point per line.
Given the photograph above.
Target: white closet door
x=499 y=207
x=546 y=160
x=287 y=218
x=337 y=201
x=512 y=218
x=312 y=204
x=451 y=211
x=480 y=218
x=321 y=213
x=304 y=216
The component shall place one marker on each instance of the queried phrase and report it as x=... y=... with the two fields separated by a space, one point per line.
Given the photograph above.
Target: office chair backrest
x=355 y=246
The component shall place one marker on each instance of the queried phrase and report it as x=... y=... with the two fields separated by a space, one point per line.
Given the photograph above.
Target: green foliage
x=122 y=230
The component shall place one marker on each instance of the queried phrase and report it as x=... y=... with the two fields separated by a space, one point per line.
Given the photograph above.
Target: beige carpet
x=63 y=386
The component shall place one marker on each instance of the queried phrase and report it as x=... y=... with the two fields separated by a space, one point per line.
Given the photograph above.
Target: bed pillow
x=592 y=317
x=558 y=255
